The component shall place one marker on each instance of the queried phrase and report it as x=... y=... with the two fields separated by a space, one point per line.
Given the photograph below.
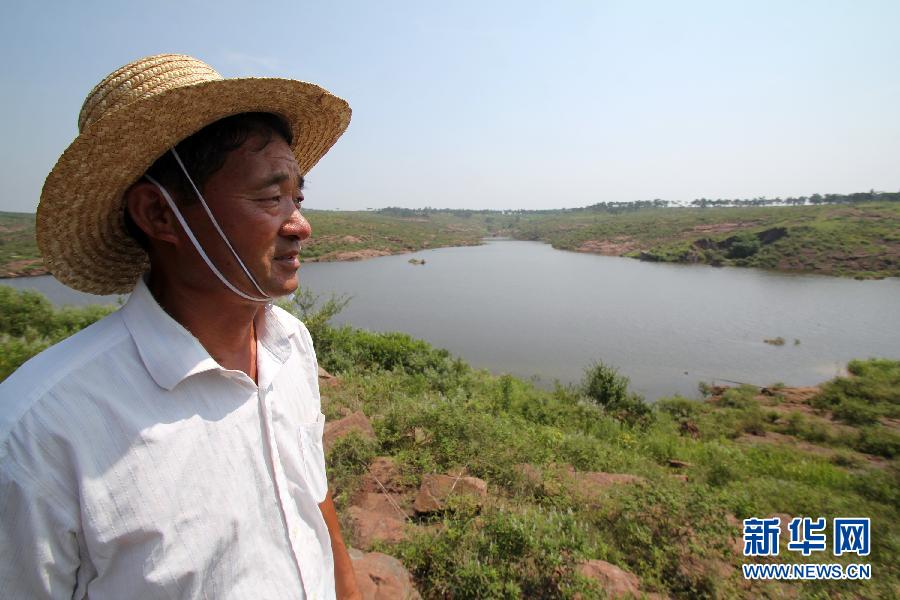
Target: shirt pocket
x=313 y=455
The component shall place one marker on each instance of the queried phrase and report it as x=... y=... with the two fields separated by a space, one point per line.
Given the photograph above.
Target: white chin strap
x=265 y=297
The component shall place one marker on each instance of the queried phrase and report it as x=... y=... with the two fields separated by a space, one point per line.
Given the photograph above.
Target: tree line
x=618 y=207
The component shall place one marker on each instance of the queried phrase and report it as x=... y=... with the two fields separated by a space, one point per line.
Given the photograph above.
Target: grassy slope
x=831 y=452
x=858 y=240
x=18 y=248
x=680 y=537
x=337 y=233
x=796 y=452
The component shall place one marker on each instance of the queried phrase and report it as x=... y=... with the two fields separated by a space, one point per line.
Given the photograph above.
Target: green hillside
x=852 y=240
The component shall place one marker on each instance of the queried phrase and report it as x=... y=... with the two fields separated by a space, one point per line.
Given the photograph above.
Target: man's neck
x=223 y=325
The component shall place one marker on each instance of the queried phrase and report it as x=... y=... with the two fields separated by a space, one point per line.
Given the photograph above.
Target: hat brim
x=80 y=227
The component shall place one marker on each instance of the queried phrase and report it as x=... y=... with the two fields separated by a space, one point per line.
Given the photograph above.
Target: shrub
x=604 y=386
x=14 y=351
x=681 y=408
x=743 y=245
x=315 y=313
x=846 y=459
x=871 y=392
x=29 y=324
x=854 y=412
x=346 y=460
x=753 y=422
x=740 y=397
x=21 y=310
x=503 y=553
x=878 y=441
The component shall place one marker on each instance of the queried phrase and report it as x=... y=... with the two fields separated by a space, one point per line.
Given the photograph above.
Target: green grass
x=335 y=233
x=860 y=240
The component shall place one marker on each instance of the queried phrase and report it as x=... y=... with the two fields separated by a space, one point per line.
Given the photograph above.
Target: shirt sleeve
x=39 y=554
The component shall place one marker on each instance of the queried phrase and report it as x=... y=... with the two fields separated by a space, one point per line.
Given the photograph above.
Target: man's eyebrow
x=277 y=178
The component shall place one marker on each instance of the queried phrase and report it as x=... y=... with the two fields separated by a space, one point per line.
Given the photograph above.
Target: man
x=174 y=449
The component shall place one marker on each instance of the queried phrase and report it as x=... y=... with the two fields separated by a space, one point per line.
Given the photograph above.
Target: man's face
x=255 y=197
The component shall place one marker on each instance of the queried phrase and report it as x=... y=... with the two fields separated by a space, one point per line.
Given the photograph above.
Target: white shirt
x=133 y=465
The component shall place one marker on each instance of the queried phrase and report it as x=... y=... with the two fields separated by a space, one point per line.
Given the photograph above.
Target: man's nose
x=296 y=226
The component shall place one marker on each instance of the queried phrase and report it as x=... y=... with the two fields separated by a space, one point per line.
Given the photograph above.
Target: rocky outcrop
x=355 y=422
x=380 y=509
x=436 y=490
x=326 y=379
x=382 y=577
x=617 y=246
x=589 y=485
x=616 y=582
x=385 y=524
x=383 y=476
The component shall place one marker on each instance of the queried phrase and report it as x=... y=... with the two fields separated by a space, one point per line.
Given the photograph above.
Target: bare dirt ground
x=351 y=255
x=617 y=246
x=27 y=267
x=722 y=227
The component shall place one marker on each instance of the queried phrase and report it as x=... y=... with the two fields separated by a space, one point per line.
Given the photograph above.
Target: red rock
x=382 y=577
x=591 y=484
x=383 y=475
x=530 y=474
x=436 y=489
x=368 y=527
x=335 y=430
x=389 y=505
x=613 y=580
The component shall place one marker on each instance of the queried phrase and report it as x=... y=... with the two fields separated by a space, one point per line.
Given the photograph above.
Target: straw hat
x=128 y=121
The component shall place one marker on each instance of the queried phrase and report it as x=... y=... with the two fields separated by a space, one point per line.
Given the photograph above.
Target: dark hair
x=203 y=154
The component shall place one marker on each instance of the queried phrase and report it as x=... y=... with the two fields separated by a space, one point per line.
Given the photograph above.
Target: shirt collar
x=171 y=353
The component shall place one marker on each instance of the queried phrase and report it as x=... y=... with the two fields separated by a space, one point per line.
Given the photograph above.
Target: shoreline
x=346 y=256
x=369 y=253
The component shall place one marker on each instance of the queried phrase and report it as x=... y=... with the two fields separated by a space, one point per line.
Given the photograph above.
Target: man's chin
x=285 y=287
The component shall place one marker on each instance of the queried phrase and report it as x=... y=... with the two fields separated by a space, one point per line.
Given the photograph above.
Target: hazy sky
x=506 y=104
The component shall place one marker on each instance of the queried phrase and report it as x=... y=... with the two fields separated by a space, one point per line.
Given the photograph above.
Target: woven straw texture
x=128 y=121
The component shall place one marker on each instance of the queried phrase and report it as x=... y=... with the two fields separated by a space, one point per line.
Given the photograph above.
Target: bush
x=871 y=392
x=744 y=245
x=742 y=397
x=603 y=386
x=14 y=351
x=753 y=422
x=29 y=324
x=314 y=313
x=24 y=310
x=681 y=408
x=510 y=553
x=854 y=412
x=346 y=460
x=878 y=441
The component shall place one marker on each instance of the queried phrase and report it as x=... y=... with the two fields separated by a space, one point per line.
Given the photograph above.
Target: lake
x=527 y=309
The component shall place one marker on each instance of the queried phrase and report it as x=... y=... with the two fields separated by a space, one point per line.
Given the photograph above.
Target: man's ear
x=151 y=213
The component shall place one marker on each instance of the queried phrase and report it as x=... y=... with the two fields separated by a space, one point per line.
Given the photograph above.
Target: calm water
x=526 y=309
